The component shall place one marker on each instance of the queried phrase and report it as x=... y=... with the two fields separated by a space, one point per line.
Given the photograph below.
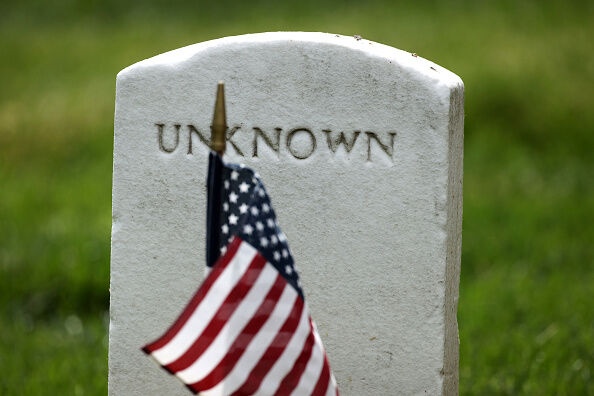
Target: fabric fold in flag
x=247 y=329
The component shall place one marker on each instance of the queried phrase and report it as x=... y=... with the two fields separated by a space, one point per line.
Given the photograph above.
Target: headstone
x=360 y=147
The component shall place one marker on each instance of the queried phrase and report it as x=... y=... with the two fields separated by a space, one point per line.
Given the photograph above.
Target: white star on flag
x=244 y=187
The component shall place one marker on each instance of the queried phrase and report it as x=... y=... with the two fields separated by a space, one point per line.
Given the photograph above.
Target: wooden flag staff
x=215 y=178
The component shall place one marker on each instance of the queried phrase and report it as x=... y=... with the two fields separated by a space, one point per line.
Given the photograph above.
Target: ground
x=525 y=312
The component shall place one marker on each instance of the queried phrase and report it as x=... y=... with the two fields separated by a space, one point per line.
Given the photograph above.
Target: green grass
x=525 y=312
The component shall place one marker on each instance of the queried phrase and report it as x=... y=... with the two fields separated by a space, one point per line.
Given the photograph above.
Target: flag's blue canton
x=248 y=213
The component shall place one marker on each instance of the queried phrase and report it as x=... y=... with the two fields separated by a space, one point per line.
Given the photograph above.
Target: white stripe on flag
x=312 y=372
x=286 y=360
x=203 y=314
x=225 y=338
x=331 y=391
x=257 y=346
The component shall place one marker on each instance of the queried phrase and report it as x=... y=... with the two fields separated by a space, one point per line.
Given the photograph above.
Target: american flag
x=247 y=330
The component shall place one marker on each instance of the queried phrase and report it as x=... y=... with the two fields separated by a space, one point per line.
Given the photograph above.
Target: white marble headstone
x=360 y=147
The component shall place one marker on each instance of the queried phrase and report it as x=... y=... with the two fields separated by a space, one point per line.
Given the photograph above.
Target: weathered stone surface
x=360 y=147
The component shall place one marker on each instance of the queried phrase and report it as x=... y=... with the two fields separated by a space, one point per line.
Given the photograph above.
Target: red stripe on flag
x=235 y=297
x=244 y=338
x=275 y=349
x=217 y=269
x=323 y=381
x=292 y=378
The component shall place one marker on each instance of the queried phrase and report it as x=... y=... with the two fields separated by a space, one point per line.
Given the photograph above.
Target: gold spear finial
x=219 y=121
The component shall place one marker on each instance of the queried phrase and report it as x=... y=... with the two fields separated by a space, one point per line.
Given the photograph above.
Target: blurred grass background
x=526 y=314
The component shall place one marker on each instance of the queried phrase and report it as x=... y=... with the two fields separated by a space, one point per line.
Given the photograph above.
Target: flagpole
x=215 y=177
x=219 y=121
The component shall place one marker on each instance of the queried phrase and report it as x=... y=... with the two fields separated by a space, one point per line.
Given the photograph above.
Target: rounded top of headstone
x=311 y=44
